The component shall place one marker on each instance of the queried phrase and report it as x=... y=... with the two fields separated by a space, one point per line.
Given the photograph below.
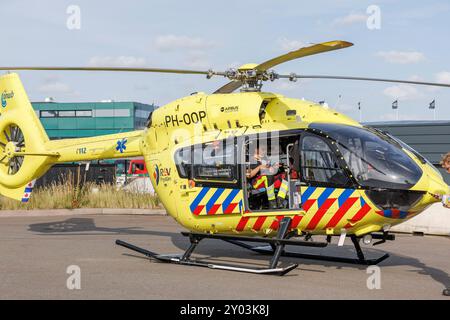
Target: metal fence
x=97 y=173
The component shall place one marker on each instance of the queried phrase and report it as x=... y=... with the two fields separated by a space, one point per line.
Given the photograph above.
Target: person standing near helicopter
x=445 y=163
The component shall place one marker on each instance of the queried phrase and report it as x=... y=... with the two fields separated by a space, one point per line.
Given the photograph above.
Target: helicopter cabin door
x=327 y=190
x=271 y=165
x=215 y=179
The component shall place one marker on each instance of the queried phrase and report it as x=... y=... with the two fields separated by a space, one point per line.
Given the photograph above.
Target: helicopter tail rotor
x=23 y=156
x=26 y=152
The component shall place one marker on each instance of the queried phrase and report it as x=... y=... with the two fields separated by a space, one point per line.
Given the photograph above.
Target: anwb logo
x=6 y=95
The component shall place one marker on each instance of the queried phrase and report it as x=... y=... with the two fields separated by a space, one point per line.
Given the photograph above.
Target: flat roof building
x=85 y=119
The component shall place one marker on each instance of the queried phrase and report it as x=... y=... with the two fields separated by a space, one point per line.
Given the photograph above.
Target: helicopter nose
x=438 y=187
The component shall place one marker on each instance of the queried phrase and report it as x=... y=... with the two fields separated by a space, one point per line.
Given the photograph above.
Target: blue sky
x=412 y=43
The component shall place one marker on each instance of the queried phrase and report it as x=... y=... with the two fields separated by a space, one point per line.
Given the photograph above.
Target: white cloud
x=120 y=61
x=53 y=85
x=443 y=77
x=402 y=57
x=349 y=19
x=233 y=65
x=403 y=92
x=290 y=45
x=197 y=59
x=173 y=42
x=415 y=77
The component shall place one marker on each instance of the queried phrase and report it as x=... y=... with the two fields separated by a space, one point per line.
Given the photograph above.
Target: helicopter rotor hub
x=252 y=79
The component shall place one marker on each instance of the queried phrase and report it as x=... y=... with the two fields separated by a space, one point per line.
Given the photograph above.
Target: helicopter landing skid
x=360 y=260
x=278 y=243
x=185 y=260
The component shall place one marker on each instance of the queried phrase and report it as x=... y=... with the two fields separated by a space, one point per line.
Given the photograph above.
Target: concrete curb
x=435 y=221
x=83 y=211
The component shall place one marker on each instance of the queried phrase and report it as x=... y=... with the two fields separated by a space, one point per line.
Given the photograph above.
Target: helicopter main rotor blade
x=303 y=52
x=436 y=84
x=120 y=69
x=299 y=53
x=229 y=87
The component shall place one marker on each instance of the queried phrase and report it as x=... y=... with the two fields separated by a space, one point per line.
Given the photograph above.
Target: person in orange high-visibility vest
x=261 y=174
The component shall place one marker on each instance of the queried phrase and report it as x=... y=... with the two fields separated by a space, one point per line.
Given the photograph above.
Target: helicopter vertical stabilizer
x=22 y=140
x=26 y=152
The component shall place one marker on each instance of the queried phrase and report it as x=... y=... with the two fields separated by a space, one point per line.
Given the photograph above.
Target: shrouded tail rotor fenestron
x=12 y=141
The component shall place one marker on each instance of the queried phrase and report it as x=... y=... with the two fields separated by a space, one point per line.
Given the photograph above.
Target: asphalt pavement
x=74 y=257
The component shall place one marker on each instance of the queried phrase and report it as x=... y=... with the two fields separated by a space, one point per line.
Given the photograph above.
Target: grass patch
x=68 y=194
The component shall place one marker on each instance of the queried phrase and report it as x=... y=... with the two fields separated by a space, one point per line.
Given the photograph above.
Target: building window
x=142 y=113
x=122 y=113
x=48 y=114
x=109 y=113
x=66 y=113
x=83 y=113
x=104 y=113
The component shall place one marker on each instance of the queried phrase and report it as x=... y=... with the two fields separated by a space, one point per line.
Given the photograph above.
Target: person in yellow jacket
x=262 y=175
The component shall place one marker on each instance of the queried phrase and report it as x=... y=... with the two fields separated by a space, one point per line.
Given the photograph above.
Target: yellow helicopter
x=244 y=167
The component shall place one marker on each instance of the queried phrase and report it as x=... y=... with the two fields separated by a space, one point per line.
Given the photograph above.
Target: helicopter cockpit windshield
x=375 y=160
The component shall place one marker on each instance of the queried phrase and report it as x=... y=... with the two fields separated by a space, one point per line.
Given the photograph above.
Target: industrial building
x=85 y=119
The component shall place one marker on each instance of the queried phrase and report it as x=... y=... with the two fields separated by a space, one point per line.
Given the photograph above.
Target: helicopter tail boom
x=26 y=152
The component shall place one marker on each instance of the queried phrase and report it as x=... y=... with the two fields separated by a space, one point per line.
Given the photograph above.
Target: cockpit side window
x=319 y=163
x=183 y=161
x=374 y=160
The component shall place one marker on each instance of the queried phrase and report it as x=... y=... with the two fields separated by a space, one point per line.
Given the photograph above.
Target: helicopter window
x=215 y=161
x=421 y=158
x=183 y=161
x=387 y=135
x=374 y=159
x=120 y=168
x=212 y=161
x=319 y=163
